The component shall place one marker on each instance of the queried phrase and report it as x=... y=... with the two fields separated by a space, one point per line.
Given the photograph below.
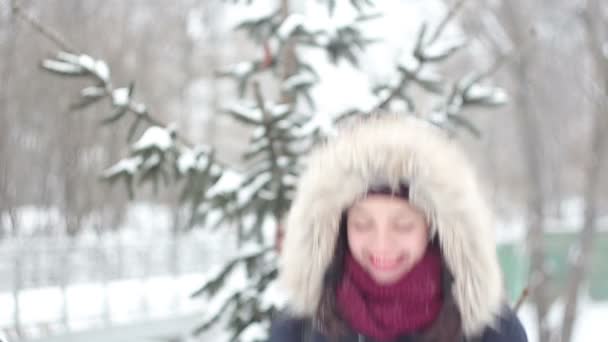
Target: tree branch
x=64 y=45
x=51 y=35
x=443 y=24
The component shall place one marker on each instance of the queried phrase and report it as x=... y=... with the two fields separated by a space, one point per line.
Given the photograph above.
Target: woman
x=389 y=239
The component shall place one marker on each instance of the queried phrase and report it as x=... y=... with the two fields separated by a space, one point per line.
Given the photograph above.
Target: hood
x=392 y=149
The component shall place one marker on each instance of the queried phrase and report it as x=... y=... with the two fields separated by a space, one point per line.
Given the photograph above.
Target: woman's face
x=387 y=236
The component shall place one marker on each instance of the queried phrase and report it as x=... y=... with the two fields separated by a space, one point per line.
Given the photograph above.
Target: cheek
x=417 y=243
x=355 y=241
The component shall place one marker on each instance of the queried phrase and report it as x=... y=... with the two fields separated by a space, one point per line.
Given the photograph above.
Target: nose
x=382 y=240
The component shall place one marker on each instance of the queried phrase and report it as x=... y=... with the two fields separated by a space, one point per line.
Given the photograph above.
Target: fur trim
x=393 y=149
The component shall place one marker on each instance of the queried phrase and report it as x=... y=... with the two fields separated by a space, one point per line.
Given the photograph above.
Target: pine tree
x=242 y=294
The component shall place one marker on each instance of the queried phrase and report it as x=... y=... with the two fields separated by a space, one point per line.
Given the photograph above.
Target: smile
x=384 y=263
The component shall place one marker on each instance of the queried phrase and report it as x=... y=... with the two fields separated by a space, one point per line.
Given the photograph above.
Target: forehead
x=381 y=204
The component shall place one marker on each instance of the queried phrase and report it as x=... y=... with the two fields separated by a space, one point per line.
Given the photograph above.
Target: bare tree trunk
x=535 y=202
x=531 y=149
x=213 y=59
x=6 y=197
x=289 y=59
x=593 y=23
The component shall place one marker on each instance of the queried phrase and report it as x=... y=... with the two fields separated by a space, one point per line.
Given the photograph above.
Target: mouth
x=384 y=264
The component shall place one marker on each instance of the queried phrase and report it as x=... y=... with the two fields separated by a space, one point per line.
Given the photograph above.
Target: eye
x=405 y=227
x=359 y=225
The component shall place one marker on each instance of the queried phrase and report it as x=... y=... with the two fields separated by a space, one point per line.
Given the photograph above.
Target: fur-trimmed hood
x=391 y=149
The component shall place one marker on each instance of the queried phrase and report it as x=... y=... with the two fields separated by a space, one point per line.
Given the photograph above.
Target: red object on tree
x=278 y=239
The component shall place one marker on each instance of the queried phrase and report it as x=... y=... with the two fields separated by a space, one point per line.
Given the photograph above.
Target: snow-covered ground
x=94 y=306
x=589 y=326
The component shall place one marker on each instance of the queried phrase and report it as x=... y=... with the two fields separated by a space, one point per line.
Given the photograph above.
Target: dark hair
x=327 y=318
x=402 y=191
x=447 y=327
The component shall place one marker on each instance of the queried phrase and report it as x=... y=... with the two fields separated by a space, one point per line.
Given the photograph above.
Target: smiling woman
x=389 y=239
x=387 y=235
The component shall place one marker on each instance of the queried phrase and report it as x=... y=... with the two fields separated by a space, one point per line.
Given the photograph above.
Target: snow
x=235 y=282
x=290 y=24
x=120 y=97
x=428 y=74
x=258 y=133
x=477 y=92
x=589 y=325
x=68 y=57
x=254 y=10
x=154 y=137
x=228 y=182
x=92 y=92
x=194 y=24
x=299 y=79
x=193 y=159
x=283 y=161
x=31 y=309
x=499 y=97
x=139 y=108
x=127 y=165
x=83 y=62
x=186 y=161
x=86 y=62
x=129 y=300
x=250 y=249
x=61 y=67
x=438 y=117
x=253 y=113
x=273 y=296
x=246 y=193
x=241 y=69
x=409 y=62
x=255 y=332
x=290 y=180
x=215 y=170
x=325 y=124
x=126 y=301
x=321 y=21
x=102 y=70
x=246 y=112
x=277 y=109
x=443 y=47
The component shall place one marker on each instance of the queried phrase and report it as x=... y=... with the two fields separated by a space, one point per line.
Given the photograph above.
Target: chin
x=387 y=279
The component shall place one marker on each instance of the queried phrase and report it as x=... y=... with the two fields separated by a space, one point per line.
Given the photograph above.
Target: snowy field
x=589 y=326
x=95 y=307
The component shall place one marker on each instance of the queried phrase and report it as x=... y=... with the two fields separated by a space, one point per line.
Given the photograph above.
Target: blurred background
x=149 y=149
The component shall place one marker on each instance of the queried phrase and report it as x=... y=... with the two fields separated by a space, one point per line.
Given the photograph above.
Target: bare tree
x=596 y=31
x=560 y=132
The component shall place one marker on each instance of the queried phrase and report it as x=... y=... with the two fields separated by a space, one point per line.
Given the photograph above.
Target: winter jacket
x=393 y=150
x=284 y=329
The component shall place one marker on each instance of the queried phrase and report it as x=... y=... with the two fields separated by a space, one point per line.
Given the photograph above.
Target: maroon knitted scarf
x=385 y=312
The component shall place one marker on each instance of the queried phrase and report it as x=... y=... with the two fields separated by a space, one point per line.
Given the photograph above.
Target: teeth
x=383 y=262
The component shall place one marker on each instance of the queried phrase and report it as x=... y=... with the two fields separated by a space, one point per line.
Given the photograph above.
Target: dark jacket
x=285 y=329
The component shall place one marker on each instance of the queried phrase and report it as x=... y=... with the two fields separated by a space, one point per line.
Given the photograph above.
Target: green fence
x=514 y=261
